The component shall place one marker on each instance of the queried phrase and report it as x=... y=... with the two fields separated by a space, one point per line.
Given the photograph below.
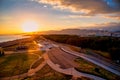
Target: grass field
x=15 y=64
x=48 y=74
x=11 y=48
x=74 y=48
x=31 y=46
x=90 y=51
x=38 y=52
x=88 y=67
x=101 y=53
x=37 y=63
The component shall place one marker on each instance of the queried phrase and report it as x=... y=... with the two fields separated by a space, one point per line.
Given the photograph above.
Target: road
x=94 y=60
x=59 y=62
x=63 y=62
x=64 y=59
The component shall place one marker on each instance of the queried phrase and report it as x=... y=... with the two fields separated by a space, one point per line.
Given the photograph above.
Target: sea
x=5 y=38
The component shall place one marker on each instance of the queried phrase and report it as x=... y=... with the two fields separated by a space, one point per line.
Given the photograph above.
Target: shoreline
x=14 y=42
x=6 y=38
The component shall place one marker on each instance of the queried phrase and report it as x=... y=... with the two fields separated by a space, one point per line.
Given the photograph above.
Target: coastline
x=14 y=42
x=6 y=38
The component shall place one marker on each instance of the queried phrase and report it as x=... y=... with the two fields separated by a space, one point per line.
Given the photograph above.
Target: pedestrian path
x=69 y=71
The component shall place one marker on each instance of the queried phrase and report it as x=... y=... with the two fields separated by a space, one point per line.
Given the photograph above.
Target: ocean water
x=5 y=38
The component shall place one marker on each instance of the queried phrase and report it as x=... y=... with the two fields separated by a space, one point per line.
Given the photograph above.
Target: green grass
x=38 y=52
x=11 y=48
x=74 y=48
x=48 y=74
x=90 y=51
x=31 y=46
x=36 y=64
x=15 y=64
x=89 y=67
x=101 y=53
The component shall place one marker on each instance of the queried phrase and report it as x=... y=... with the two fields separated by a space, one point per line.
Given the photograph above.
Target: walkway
x=30 y=72
x=69 y=71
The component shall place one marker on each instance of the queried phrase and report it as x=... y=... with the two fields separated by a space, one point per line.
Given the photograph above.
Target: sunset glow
x=15 y=15
x=30 y=26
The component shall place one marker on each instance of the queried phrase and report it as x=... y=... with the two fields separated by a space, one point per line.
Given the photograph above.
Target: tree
x=1 y=52
x=97 y=70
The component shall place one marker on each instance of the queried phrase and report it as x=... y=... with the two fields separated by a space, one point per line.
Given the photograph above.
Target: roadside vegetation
x=74 y=48
x=88 y=67
x=15 y=64
x=97 y=52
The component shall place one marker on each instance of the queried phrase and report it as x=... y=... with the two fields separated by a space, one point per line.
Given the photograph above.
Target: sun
x=30 y=26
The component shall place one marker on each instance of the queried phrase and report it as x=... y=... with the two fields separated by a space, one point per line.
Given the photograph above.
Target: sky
x=59 y=14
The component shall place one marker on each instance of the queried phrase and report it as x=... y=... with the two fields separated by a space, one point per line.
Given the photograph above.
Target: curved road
x=68 y=71
x=91 y=59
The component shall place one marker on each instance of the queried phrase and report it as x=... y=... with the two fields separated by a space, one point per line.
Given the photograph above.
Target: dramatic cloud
x=88 y=7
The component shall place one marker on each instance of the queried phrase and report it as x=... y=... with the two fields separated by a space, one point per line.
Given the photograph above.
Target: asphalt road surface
x=62 y=58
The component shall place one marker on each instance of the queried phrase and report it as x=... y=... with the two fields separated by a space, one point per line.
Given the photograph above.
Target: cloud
x=5 y=18
x=75 y=16
x=112 y=26
x=109 y=24
x=88 y=7
x=114 y=16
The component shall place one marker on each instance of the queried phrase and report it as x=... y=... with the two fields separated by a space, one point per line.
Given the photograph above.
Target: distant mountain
x=80 y=32
x=117 y=31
